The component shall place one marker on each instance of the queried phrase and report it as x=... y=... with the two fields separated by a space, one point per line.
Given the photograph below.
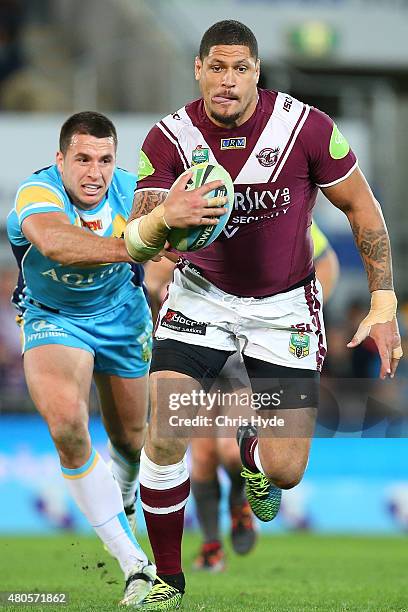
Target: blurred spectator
x=342 y=362
x=337 y=363
x=10 y=28
x=365 y=362
x=12 y=385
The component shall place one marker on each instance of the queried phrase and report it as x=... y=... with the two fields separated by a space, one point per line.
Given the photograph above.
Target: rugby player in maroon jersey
x=254 y=289
x=208 y=453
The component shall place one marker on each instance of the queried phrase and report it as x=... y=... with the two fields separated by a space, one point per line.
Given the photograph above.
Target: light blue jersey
x=100 y=308
x=73 y=290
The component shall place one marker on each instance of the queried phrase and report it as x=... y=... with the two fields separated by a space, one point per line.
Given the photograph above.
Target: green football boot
x=163 y=596
x=263 y=497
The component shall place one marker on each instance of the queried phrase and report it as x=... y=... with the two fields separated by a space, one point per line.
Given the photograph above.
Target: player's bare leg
x=243 y=533
x=272 y=462
x=205 y=487
x=164 y=489
x=124 y=413
x=59 y=379
x=284 y=460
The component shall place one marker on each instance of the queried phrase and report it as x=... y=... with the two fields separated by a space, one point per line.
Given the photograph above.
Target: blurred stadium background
x=133 y=59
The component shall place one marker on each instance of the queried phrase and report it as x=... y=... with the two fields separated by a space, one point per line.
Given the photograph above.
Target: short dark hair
x=228 y=32
x=86 y=122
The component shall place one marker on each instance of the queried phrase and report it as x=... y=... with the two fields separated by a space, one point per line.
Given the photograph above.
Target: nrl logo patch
x=299 y=345
x=233 y=143
x=268 y=157
x=200 y=155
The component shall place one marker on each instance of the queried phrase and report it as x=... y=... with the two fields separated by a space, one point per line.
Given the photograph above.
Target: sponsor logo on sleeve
x=200 y=155
x=299 y=345
x=338 y=147
x=177 y=321
x=145 y=166
x=233 y=143
x=268 y=157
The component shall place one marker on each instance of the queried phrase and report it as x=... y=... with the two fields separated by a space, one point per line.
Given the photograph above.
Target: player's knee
x=287 y=481
x=286 y=478
x=69 y=434
x=285 y=473
x=165 y=451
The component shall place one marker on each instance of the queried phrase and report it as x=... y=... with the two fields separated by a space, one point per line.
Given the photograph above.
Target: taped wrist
x=153 y=228
x=146 y=236
x=136 y=247
x=383 y=307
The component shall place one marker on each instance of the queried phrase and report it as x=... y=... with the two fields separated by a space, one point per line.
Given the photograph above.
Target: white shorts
x=286 y=329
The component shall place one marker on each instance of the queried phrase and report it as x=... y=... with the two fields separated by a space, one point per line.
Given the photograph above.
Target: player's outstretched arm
x=55 y=237
x=354 y=197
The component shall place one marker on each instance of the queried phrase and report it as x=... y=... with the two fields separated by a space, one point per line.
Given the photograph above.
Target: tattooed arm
x=155 y=213
x=145 y=201
x=354 y=197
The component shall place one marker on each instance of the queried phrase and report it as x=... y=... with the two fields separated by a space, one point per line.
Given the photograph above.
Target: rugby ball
x=194 y=238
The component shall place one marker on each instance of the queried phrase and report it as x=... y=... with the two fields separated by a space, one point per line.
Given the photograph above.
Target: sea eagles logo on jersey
x=268 y=157
x=233 y=143
x=200 y=155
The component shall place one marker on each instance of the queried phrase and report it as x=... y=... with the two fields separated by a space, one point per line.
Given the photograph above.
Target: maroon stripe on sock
x=250 y=446
x=165 y=530
x=165 y=498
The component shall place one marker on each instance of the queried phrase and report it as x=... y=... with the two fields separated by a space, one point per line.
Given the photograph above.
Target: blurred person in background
x=207 y=454
x=12 y=385
x=11 y=54
x=84 y=314
x=11 y=22
x=255 y=286
x=365 y=361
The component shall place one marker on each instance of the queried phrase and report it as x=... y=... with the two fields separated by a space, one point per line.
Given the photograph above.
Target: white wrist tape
x=397 y=352
x=137 y=249
x=383 y=309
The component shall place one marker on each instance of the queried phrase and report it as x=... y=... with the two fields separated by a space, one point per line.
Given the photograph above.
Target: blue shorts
x=120 y=340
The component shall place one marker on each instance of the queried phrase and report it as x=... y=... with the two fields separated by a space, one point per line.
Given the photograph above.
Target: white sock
x=125 y=473
x=98 y=496
x=162 y=477
x=257 y=459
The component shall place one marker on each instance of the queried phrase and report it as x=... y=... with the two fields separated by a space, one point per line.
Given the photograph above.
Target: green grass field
x=286 y=573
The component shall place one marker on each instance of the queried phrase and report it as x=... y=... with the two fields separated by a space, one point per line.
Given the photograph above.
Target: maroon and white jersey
x=277 y=160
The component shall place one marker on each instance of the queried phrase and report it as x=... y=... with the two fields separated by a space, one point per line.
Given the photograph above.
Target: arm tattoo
x=145 y=201
x=374 y=247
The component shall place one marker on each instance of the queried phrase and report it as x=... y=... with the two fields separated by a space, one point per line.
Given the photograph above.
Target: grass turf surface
x=285 y=573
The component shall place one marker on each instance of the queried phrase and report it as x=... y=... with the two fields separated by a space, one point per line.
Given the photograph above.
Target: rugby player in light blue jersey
x=83 y=314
